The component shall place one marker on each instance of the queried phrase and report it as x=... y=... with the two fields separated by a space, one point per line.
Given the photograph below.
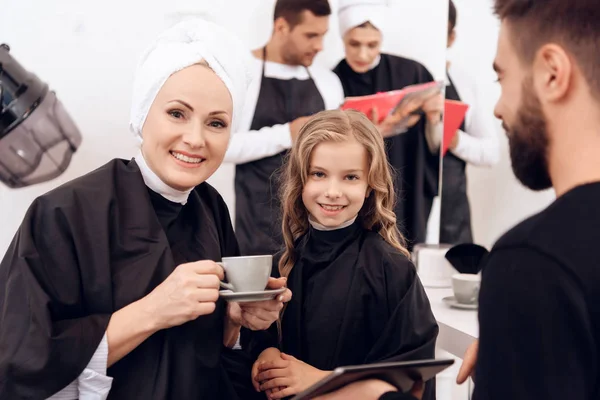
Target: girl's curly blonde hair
x=377 y=212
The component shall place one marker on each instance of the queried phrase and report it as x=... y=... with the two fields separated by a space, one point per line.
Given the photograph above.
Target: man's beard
x=528 y=141
x=292 y=56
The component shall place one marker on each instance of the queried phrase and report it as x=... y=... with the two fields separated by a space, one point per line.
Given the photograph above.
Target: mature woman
x=110 y=285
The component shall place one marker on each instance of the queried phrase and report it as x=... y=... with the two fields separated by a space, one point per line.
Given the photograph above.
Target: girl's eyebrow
x=348 y=171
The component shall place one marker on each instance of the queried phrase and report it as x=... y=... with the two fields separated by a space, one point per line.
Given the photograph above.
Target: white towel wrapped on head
x=353 y=13
x=187 y=43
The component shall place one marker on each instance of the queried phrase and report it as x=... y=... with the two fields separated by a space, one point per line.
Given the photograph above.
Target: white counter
x=458 y=328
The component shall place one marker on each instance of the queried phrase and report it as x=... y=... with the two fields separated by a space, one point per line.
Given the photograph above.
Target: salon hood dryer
x=37 y=136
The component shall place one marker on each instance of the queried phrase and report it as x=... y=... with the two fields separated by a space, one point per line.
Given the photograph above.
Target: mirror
x=481 y=198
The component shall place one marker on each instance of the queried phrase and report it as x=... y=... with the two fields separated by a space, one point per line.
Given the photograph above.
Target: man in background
x=290 y=89
x=475 y=143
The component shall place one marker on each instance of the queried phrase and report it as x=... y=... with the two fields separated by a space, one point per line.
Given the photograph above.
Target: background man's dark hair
x=292 y=10
x=572 y=24
x=451 y=16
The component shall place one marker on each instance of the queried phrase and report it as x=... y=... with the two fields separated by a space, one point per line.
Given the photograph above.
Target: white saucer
x=451 y=301
x=243 y=297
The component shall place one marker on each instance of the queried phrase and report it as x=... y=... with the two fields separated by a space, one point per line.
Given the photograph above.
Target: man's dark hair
x=291 y=10
x=572 y=24
x=451 y=16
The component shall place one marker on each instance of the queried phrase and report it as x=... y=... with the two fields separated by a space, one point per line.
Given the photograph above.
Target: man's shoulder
x=520 y=234
x=329 y=86
x=570 y=218
x=320 y=72
x=558 y=241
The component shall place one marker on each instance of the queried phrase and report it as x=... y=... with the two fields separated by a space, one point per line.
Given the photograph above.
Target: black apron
x=455 y=219
x=258 y=208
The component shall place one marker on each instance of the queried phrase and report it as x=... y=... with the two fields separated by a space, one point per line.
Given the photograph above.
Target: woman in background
x=110 y=286
x=413 y=153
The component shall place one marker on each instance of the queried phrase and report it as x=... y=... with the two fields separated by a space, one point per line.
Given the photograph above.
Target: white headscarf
x=353 y=13
x=181 y=46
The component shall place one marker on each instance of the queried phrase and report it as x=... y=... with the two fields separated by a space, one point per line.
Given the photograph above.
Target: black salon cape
x=356 y=300
x=539 y=306
x=416 y=168
x=86 y=250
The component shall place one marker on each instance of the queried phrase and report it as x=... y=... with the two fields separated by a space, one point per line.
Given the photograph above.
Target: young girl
x=357 y=298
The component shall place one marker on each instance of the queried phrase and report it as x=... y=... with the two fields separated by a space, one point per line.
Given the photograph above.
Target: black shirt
x=539 y=307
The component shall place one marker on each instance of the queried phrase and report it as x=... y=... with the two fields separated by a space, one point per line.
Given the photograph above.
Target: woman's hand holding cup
x=190 y=291
x=259 y=315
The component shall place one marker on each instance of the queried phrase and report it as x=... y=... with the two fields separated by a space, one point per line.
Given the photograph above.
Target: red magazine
x=386 y=102
x=454 y=115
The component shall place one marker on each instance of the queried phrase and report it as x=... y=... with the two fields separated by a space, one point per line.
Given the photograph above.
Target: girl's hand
x=259 y=315
x=289 y=374
x=269 y=355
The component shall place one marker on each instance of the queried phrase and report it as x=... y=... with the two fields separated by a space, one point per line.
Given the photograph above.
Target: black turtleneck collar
x=166 y=210
x=358 y=84
x=323 y=247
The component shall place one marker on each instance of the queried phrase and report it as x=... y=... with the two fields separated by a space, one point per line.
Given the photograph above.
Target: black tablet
x=401 y=374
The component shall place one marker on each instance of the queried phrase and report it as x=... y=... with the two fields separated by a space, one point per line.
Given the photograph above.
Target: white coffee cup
x=247 y=273
x=466 y=287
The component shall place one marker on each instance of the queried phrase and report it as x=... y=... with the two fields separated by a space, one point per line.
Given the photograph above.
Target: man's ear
x=552 y=72
x=281 y=26
x=451 y=38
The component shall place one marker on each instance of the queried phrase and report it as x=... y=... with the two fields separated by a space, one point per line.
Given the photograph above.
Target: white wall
x=498 y=200
x=87 y=52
